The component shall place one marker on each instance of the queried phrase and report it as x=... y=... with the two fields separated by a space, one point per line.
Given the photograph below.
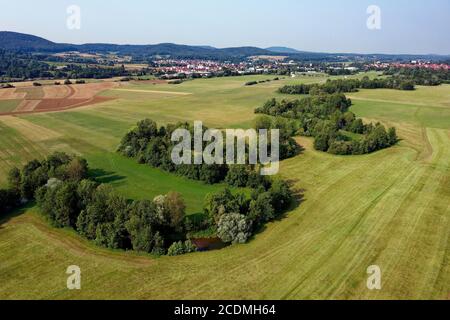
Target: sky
x=406 y=26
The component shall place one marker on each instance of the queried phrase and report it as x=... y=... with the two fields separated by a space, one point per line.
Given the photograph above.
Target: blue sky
x=407 y=26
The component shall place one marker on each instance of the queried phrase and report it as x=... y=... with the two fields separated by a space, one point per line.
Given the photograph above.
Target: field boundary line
x=155 y=91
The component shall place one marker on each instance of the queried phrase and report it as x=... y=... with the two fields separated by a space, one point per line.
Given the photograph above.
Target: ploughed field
x=390 y=208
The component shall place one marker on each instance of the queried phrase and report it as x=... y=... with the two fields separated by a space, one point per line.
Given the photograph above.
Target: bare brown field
x=49 y=98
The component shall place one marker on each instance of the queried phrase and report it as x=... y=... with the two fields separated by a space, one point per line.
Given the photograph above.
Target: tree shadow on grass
x=103 y=176
x=5 y=218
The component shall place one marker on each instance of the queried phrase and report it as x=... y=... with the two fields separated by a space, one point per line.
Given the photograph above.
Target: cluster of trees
x=235 y=217
x=70 y=199
x=74 y=71
x=20 y=66
x=252 y=83
x=232 y=216
x=327 y=118
x=101 y=215
x=329 y=138
x=24 y=183
x=340 y=72
x=349 y=85
x=421 y=76
x=152 y=145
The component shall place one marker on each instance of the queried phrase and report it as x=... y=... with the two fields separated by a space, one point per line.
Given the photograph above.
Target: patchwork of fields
x=50 y=97
x=390 y=208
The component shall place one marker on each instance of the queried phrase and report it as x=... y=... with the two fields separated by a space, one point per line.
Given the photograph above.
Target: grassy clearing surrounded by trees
x=389 y=208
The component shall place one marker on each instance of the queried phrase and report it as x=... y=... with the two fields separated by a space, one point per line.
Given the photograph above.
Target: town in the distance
x=39 y=58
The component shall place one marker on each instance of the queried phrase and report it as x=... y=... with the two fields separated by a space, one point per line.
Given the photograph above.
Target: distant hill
x=26 y=42
x=283 y=50
x=29 y=43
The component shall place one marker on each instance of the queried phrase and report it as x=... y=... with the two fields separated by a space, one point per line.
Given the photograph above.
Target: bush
x=67 y=82
x=180 y=248
x=234 y=228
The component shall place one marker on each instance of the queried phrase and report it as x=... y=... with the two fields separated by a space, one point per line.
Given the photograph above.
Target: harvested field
x=27 y=105
x=9 y=105
x=87 y=91
x=64 y=104
x=32 y=93
x=11 y=94
x=58 y=92
x=55 y=97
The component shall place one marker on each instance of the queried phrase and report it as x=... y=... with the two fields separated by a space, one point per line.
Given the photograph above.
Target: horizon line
x=231 y=47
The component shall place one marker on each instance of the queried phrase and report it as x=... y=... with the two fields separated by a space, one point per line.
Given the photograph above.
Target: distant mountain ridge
x=30 y=43
x=283 y=50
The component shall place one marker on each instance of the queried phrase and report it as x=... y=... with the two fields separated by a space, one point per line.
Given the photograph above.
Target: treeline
x=73 y=71
x=35 y=174
x=327 y=118
x=232 y=216
x=421 y=76
x=348 y=85
x=69 y=198
x=152 y=145
x=99 y=214
x=21 y=66
x=252 y=83
x=235 y=216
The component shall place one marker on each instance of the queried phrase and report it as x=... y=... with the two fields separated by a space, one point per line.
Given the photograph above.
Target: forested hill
x=29 y=43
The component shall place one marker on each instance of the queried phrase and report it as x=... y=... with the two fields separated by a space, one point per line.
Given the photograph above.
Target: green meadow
x=390 y=208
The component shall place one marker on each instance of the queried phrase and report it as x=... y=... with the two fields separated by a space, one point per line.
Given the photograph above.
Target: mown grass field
x=390 y=208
